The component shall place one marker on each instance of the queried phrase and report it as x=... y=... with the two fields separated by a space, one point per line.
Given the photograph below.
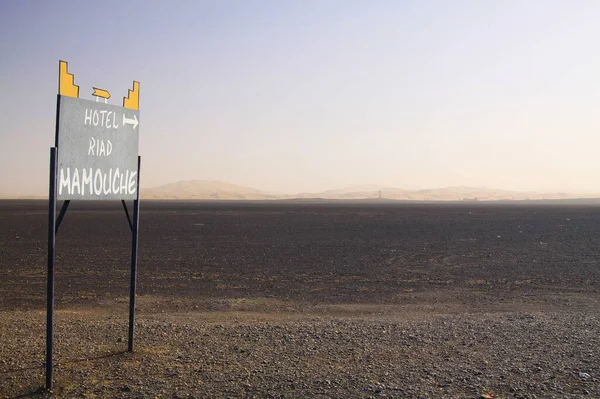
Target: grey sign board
x=97 y=151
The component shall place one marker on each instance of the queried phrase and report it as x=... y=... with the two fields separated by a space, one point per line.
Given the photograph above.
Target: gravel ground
x=306 y=301
x=323 y=353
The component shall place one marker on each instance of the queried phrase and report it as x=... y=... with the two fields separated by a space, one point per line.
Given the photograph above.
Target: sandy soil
x=306 y=300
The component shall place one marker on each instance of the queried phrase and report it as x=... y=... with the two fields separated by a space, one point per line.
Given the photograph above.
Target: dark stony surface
x=305 y=299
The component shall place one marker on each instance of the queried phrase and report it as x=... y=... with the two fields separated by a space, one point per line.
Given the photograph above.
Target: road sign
x=97 y=150
x=97 y=145
x=95 y=157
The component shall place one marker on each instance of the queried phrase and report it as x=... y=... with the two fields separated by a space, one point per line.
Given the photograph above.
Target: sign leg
x=134 y=256
x=50 y=287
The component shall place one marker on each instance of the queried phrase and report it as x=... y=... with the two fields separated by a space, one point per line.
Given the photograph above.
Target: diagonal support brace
x=61 y=215
x=127 y=214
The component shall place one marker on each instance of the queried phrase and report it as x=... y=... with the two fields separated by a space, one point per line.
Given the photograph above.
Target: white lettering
x=92 y=145
x=132 y=182
x=86 y=179
x=100 y=148
x=104 y=185
x=75 y=182
x=88 y=117
x=115 y=126
x=123 y=182
x=65 y=181
x=98 y=182
x=115 y=186
x=104 y=118
x=102 y=113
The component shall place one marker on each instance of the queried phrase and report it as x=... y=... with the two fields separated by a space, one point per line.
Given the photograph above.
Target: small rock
x=584 y=376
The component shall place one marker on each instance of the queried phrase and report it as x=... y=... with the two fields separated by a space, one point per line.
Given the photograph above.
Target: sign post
x=95 y=157
x=50 y=288
x=134 y=254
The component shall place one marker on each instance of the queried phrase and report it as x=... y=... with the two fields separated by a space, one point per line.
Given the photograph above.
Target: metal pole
x=51 y=248
x=134 y=256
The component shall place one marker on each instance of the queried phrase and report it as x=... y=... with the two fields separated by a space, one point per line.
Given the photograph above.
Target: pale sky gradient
x=304 y=95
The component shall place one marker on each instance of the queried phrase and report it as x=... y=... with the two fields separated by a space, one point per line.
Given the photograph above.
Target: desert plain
x=306 y=299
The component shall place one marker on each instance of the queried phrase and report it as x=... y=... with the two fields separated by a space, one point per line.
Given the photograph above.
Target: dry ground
x=307 y=300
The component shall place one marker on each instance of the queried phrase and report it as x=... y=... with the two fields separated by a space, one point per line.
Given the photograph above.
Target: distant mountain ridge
x=212 y=189
x=203 y=189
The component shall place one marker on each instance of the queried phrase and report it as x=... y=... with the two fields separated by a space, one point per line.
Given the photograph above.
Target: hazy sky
x=294 y=96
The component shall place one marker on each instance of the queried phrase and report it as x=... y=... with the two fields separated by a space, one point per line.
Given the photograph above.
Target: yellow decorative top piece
x=66 y=81
x=132 y=101
x=100 y=93
x=67 y=87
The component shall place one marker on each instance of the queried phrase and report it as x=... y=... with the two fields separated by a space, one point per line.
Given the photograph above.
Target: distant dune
x=20 y=197
x=218 y=190
x=203 y=189
x=209 y=189
x=440 y=194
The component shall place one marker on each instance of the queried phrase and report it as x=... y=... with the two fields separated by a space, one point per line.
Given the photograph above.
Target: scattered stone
x=584 y=376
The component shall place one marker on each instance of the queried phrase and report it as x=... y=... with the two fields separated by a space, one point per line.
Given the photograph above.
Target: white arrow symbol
x=133 y=121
